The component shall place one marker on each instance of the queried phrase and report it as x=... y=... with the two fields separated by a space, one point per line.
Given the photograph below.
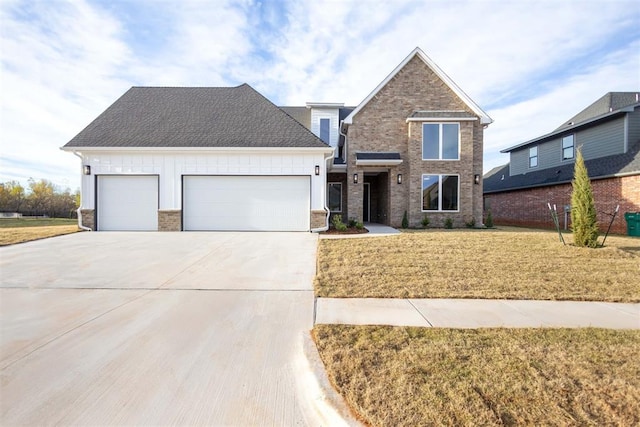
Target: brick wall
x=529 y=207
x=381 y=126
x=88 y=218
x=318 y=219
x=170 y=220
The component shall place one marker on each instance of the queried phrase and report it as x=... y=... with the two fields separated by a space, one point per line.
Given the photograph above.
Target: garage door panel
x=127 y=203
x=252 y=203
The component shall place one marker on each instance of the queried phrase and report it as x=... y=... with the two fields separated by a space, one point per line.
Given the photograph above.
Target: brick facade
x=381 y=126
x=88 y=218
x=529 y=207
x=170 y=220
x=318 y=219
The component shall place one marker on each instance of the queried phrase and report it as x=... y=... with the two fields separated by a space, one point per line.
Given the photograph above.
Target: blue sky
x=529 y=64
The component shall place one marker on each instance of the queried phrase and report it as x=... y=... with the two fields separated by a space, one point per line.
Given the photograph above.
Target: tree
x=11 y=196
x=584 y=221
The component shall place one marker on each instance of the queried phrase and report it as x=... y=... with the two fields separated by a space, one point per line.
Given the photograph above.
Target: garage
x=127 y=203
x=246 y=203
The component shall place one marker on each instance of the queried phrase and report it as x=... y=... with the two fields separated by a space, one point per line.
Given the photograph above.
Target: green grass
x=35 y=222
x=393 y=376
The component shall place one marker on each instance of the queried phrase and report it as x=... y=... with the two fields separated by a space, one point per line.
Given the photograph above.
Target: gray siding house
x=540 y=170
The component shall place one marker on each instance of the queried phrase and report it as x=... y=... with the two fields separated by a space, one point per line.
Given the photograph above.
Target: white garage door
x=251 y=203
x=127 y=203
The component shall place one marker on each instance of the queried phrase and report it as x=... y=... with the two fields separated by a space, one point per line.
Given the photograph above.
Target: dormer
x=325 y=119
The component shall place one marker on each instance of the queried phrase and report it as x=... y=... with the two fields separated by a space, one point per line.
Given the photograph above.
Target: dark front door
x=366 y=203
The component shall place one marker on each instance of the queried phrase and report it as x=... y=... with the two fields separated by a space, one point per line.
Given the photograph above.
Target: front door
x=366 y=203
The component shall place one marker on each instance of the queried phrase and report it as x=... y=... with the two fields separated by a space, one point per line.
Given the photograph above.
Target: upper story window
x=325 y=129
x=533 y=157
x=440 y=141
x=567 y=147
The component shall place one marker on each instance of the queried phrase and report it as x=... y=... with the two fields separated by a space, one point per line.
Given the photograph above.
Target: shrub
x=352 y=222
x=489 y=221
x=405 y=220
x=359 y=225
x=471 y=224
x=425 y=221
x=583 y=210
x=337 y=223
x=448 y=223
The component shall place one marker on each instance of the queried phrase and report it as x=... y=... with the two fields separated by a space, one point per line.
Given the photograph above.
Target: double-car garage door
x=252 y=203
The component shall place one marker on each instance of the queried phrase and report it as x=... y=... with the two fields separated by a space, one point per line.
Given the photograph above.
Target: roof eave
x=575 y=127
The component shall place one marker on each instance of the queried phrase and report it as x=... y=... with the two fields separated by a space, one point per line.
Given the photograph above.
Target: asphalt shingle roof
x=191 y=117
x=498 y=179
x=378 y=156
x=609 y=102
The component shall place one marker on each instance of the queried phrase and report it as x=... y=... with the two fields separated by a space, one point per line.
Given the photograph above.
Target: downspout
x=80 y=226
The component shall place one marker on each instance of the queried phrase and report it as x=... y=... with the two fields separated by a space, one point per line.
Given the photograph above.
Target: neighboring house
x=540 y=170
x=228 y=159
x=413 y=145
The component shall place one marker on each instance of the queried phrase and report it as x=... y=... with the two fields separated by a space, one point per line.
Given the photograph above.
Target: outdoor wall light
x=476 y=179
x=399 y=178
x=317 y=169
x=86 y=170
x=355 y=178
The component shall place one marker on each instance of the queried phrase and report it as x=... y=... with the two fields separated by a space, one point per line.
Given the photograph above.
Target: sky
x=531 y=65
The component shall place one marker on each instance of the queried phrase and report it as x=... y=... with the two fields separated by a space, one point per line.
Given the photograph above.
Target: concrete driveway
x=158 y=328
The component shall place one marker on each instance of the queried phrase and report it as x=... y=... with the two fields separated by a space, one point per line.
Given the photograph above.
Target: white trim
x=173 y=150
x=484 y=117
x=325 y=104
x=573 y=148
x=441 y=119
x=328 y=184
x=440 y=145
x=439 y=175
x=378 y=162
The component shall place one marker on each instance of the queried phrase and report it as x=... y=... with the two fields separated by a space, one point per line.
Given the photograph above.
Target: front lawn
x=427 y=376
x=508 y=263
x=24 y=230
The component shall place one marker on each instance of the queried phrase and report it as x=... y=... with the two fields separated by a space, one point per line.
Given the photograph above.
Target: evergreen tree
x=583 y=210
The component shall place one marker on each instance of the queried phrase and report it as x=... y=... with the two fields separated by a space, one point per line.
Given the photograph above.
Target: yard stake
x=613 y=217
x=554 y=216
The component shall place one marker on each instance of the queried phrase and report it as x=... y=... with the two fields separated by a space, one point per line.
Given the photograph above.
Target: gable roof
x=484 y=117
x=604 y=106
x=194 y=117
x=498 y=179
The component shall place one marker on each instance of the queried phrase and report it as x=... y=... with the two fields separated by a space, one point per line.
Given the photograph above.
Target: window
x=325 y=126
x=440 y=192
x=567 y=147
x=334 y=196
x=440 y=141
x=533 y=157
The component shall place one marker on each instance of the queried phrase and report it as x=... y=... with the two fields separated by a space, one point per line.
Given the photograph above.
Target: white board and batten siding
x=127 y=202
x=331 y=114
x=248 y=203
x=170 y=168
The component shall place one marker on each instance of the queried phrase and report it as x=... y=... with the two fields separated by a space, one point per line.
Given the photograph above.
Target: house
x=228 y=159
x=540 y=170
x=413 y=145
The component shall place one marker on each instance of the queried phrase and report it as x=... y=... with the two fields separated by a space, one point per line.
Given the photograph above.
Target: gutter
x=80 y=226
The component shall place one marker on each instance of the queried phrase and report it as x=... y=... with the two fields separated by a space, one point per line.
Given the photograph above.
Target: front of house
x=176 y=159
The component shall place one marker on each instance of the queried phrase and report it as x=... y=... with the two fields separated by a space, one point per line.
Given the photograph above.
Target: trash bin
x=633 y=223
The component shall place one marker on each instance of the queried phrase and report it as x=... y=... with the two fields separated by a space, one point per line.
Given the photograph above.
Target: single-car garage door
x=127 y=203
x=251 y=203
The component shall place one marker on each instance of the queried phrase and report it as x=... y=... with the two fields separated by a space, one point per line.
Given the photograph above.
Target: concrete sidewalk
x=476 y=313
